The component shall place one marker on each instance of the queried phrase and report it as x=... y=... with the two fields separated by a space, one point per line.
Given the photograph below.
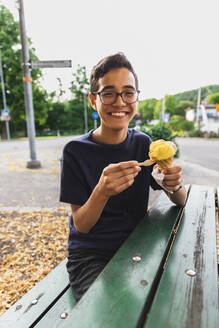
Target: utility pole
x=33 y=163
x=198 y=106
x=4 y=95
x=163 y=109
x=85 y=111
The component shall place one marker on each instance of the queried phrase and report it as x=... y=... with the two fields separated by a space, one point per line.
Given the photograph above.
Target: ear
x=92 y=101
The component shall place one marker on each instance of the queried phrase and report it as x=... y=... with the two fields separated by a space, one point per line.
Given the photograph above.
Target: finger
x=120 y=170
x=169 y=177
x=121 y=166
x=172 y=183
x=123 y=185
x=172 y=170
x=126 y=172
x=122 y=180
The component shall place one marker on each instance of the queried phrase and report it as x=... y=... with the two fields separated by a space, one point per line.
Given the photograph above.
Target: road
x=24 y=188
x=204 y=152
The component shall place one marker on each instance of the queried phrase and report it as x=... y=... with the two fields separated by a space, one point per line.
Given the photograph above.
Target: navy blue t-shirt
x=83 y=161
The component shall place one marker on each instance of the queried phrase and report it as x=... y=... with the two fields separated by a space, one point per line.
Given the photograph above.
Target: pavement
x=33 y=189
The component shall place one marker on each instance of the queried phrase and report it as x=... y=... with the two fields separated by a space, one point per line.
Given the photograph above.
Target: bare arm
x=114 y=179
x=172 y=181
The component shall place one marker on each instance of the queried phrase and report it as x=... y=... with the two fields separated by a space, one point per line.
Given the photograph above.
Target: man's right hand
x=115 y=178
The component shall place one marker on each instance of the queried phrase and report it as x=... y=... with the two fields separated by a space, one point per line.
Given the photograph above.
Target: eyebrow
x=110 y=87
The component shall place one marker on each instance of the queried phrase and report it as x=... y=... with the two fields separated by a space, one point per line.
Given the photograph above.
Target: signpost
x=5 y=115
x=50 y=64
x=27 y=79
x=95 y=117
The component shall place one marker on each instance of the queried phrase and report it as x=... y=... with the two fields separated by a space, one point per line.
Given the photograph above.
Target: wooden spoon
x=147 y=162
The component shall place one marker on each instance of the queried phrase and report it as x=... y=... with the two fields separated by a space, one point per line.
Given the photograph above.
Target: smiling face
x=118 y=115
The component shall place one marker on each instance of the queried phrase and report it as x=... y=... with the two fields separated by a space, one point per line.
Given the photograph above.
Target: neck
x=110 y=137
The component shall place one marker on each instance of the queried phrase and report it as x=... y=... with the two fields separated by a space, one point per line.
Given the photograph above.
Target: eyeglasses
x=110 y=97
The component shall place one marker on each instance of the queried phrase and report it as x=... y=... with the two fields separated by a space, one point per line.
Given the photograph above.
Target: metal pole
x=198 y=106
x=163 y=110
x=4 y=95
x=33 y=162
x=85 y=113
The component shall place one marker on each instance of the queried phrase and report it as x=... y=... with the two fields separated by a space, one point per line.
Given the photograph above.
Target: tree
x=146 y=108
x=80 y=88
x=79 y=84
x=213 y=98
x=170 y=104
x=12 y=68
x=181 y=106
x=192 y=95
x=157 y=112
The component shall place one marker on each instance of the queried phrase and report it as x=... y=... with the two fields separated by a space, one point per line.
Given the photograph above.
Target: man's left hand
x=172 y=178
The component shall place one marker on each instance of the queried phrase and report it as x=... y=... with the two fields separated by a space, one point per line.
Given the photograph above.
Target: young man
x=101 y=179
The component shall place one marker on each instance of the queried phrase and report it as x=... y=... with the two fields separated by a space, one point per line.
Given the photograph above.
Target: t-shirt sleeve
x=73 y=187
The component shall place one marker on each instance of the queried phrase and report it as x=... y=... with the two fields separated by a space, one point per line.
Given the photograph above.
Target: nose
x=119 y=101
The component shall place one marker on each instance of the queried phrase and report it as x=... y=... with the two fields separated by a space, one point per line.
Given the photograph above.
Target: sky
x=172 y=44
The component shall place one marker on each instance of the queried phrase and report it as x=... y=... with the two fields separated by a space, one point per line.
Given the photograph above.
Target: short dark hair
x=118 y=60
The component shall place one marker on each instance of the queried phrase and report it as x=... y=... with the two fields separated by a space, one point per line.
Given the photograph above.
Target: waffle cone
x=165 y=163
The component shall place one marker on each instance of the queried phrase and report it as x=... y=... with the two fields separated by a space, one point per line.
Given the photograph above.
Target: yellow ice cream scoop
x=161 y=149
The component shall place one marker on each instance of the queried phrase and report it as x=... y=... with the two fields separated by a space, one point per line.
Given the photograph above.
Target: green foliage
x=195 y=133
x=170 y=104
x=161 y=131
x=12 y=69
x=146 y=108
x=213 y=98
x=178 y=123
x=79 y=84
x=192 y=95
x=181 y=106
x=157 y=110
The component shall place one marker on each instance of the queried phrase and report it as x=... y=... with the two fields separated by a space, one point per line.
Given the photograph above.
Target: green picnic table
x=164 y=275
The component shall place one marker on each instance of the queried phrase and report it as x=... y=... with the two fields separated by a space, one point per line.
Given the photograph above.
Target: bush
x=180 y=133
x=160 y=131
x=178 y=123
x=195 y=133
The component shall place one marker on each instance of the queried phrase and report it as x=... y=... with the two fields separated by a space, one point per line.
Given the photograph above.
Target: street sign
x=5 y=115
x=5 y=111
x=50 y=64
x=95 y=115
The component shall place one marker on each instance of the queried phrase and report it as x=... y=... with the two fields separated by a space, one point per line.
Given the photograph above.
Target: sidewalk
x=25 y=189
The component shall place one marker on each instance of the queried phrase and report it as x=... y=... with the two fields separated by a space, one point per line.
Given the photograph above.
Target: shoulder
x=77 y=143
x=139 y=136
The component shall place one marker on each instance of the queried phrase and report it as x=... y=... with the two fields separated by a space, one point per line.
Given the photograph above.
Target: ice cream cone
x=165 y=163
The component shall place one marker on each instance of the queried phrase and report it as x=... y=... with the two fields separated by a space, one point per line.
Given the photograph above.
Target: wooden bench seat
x=42 y=297
x=164 y=275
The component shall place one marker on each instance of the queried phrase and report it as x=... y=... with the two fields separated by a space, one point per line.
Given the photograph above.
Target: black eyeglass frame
x=117 y=94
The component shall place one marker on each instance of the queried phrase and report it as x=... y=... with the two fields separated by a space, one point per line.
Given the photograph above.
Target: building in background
x=207 y=117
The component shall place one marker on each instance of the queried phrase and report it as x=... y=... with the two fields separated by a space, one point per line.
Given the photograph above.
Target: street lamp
x=4 y=96
x=163 y=109
x=33 y=163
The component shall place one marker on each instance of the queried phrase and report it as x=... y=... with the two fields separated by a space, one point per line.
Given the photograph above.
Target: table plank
x=23 y=313
x=182 y=300
x=117 y=297
x=53 y=317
